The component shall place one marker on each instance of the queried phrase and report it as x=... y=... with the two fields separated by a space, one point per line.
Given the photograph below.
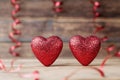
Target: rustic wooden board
x=72 y=8
x=39 y=19
x=62 y=68
x=26 y=52
x=63 y=27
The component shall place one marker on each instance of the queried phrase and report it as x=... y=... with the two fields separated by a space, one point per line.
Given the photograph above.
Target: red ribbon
x=11 y=69
x=15 y=31
x=34 y=75
x=57 y=6
x=117 y=54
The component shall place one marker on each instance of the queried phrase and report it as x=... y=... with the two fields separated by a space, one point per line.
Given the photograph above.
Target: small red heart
x=85 y=49
x=46 y=50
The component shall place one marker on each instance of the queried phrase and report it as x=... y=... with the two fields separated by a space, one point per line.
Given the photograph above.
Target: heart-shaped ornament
x=85 y=49
x=46 y=50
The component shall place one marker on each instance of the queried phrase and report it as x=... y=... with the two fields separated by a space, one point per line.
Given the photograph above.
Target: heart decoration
x=85 y=49
x=46 y=50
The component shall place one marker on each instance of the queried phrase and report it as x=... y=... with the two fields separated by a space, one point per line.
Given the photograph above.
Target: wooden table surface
x=62 y=68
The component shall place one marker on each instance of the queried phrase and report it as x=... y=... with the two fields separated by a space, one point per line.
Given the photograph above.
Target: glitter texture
x=47 y=50
x=85 y=49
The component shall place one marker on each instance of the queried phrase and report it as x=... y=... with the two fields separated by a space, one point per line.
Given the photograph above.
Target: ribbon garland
x=15 y=32
x=98 y=28
x=57 y=6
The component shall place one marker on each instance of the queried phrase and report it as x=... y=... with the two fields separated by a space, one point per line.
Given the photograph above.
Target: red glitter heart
x=46 y=50
x=85 y=49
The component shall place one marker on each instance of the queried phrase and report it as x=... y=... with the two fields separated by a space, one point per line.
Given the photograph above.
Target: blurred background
x=38 y=18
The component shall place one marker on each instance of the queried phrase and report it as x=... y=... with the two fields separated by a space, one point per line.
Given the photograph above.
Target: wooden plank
x=43 y=8
x=26 y=52
x=62 y=68
x=63 y=27
x=112 y=29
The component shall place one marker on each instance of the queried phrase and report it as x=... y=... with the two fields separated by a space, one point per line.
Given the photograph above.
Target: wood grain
x=39 y=19
x=62 y=68
x=63 y=27
x=26 y=52
x=76 y=8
